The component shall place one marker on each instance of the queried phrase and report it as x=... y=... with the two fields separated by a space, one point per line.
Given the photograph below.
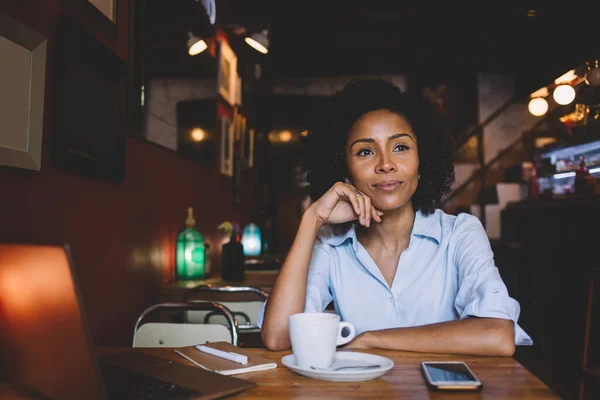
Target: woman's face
x=383 y=159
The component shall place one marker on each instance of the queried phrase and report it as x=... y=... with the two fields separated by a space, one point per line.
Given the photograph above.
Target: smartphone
x=450 y=375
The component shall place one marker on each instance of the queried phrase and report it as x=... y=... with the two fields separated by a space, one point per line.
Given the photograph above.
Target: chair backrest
x=166 y=334
x=245 y=311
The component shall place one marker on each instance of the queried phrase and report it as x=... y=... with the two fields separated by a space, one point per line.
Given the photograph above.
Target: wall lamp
x=195 y=45
x=259 y=41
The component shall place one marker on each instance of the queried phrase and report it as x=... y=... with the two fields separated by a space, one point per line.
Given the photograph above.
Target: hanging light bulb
x=538 y=106
x=564 y=94
x=285 y=136
x=198 y=134
x=195 y=45
x=259 y=41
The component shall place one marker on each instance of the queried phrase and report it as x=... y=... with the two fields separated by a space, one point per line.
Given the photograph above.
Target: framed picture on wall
x=239 y=123
x=227 y=72
x=227 y=139
x=90 y=104
x=248 y=148
x=107 y=7
x=238 y=90
x=23 y=79
x=102 y=13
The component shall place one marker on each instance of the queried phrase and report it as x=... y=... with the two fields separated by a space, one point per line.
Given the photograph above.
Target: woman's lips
x=387 y=186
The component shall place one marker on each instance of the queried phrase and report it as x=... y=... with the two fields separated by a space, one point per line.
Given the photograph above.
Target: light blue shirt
x=446 y=273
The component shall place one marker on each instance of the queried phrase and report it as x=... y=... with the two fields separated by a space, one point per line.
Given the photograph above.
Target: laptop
x=46 y=346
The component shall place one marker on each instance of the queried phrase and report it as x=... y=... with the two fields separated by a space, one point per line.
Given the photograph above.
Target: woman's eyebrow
x=399 y=135
x=370 y=140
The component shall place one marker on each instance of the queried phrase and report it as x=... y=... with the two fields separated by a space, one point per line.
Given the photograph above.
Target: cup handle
x=343 y=340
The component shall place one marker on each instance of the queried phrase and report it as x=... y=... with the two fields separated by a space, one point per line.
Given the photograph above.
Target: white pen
x=227 y=355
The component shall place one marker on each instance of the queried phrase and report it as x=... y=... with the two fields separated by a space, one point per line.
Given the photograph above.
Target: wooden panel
x=550 y=280
x=122 y=236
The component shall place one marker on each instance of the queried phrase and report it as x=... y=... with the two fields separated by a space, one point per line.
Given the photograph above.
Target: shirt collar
x=429 y=226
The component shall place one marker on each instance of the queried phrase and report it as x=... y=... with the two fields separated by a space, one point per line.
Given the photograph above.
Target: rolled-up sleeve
x=318 y=291
x=481 y=290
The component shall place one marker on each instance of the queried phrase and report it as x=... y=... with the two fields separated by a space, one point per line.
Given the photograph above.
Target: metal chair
x=168 y=334
x=245 y=311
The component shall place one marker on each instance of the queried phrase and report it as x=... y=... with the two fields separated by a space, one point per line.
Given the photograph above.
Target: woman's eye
x=364 y=152
x=401 y=147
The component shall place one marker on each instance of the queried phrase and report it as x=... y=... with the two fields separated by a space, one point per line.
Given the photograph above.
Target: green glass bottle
x=190 y=251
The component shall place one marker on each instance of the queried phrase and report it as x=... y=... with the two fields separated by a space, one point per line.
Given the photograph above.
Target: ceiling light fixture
x=195 y=45
x=259 y=41
x=567 y=77
x=592 y=77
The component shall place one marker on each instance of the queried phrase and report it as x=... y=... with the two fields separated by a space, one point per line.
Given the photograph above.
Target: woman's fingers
x=348 y=192
x=368 y=212
x=360 y=202
x=364 y=201
x=376 y=214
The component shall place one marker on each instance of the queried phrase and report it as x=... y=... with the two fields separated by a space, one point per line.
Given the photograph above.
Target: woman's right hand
x=343 y=203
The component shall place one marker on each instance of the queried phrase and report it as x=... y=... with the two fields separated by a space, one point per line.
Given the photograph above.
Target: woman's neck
x=393 y=232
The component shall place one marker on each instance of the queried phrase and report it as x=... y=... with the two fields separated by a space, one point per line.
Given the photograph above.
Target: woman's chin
x=388 y=205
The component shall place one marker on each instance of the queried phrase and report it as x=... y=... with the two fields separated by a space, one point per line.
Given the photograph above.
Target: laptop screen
x=44 y=342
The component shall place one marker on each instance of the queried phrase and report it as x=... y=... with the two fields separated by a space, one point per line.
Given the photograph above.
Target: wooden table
x=502 y=377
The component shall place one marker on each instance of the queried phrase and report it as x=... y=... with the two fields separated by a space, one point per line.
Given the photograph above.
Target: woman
x=406 y=274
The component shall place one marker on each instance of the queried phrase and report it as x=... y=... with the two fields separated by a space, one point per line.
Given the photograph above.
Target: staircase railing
x=481 y=172
x=478 y=130
x=475 y=129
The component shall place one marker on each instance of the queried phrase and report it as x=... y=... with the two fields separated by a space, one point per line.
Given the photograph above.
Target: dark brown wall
x=122 y=235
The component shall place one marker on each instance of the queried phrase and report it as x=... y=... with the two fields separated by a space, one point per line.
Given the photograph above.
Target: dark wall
x=122 y=235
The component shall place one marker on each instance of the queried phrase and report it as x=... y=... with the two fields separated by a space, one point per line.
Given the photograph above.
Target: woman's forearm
x=289 y=292
x=473 y=336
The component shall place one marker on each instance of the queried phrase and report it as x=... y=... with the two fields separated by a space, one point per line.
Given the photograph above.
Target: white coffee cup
x=315 y=337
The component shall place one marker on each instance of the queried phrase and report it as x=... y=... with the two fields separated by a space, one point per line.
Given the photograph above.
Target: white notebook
x=222 y=366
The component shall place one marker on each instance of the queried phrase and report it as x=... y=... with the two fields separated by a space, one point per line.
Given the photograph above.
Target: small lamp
x=190 y=254
x=251 y=240
x=259 y=41
x=195 y=45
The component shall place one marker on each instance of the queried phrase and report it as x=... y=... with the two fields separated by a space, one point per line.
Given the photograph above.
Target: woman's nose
x=385 y=165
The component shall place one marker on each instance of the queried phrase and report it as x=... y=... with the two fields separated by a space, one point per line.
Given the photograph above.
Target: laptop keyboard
x=122 y=384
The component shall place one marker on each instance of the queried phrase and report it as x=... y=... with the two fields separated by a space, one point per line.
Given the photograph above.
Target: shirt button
x=392 y=299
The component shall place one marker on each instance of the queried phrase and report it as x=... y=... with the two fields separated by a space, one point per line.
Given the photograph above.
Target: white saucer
x=345 y=375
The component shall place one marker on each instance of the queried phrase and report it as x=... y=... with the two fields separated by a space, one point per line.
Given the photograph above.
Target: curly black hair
x=327 y=131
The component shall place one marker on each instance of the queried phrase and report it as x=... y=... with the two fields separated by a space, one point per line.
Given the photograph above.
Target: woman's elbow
x=274 y=342
x=505 y=339
x=507 y=347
